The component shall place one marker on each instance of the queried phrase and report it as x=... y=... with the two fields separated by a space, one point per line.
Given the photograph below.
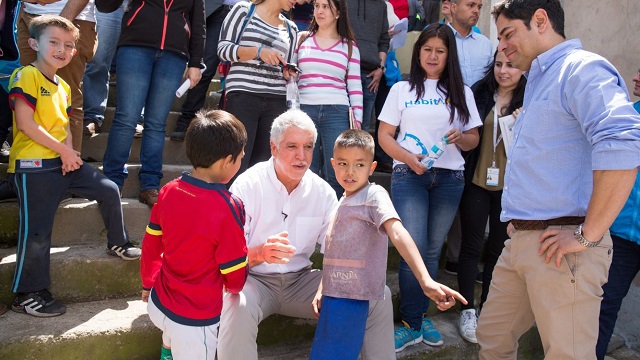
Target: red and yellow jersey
x=50 y=100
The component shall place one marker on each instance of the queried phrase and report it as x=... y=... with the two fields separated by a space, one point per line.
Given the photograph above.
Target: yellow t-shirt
x=51 y=103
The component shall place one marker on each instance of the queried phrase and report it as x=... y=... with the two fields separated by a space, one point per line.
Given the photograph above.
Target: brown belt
x=543 y=224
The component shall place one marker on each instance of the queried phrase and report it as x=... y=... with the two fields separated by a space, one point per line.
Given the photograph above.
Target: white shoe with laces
x=468 y=324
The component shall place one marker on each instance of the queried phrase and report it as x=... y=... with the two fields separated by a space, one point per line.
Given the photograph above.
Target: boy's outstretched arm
x=443 y=296
x=24 y=121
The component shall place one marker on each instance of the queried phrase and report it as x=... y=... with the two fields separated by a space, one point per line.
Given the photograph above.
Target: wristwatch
x=381 y=66
x=577 y=234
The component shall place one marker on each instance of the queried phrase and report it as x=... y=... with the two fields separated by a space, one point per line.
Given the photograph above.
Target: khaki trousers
x=291 y=294
x=564 y=302
x=72 y=73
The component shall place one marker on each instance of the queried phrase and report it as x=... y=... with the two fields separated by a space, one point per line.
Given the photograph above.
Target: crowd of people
x=229 y=243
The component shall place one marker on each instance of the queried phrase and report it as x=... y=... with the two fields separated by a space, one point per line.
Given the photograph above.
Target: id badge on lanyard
x=493 y=172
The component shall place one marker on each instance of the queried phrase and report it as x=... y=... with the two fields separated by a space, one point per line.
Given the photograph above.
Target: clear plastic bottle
x=436 y=151
x=293 y=96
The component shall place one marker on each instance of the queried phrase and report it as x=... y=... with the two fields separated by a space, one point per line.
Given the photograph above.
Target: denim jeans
x=196 y=96
x=368 y=101
x=426 y=204
x=625 y=265
x=148 y=78
x=331 y=121
x=95 y=83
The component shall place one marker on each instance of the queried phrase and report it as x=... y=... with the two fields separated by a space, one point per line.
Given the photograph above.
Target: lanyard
x=495 y=134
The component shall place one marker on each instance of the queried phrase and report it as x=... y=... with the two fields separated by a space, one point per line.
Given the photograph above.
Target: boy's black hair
x=356 y=138
x=524 y=10
x=39 y=24
x=214 y=135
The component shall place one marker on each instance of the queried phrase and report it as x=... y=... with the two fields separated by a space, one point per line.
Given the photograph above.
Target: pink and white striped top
x=322 y=81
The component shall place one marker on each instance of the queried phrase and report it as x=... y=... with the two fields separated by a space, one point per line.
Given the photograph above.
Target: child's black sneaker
x=39 y=304
x=127 y=251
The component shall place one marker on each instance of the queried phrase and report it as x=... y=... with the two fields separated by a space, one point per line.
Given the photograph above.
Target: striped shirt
x=322 y=80
x=254 y=75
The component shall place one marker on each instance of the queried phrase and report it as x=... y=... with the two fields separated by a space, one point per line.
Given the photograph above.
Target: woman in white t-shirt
x=432 y=108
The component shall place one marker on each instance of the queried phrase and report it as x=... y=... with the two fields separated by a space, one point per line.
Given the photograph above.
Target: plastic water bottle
x=293 y=96
x=436 y=151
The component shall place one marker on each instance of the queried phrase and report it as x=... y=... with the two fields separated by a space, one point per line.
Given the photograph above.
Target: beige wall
x=610 y=28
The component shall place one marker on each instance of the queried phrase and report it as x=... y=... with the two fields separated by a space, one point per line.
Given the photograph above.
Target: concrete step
x=108 y=329
x=78 y=222
x=79 y=273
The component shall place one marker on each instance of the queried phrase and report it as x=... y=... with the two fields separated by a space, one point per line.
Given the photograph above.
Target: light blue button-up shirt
x=475 y=53
x=576 y=118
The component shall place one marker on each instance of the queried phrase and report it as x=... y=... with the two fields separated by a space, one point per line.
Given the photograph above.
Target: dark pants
x=624 y=268
x=340 y=330
x=39 y=194
x=256 y=112
x=476 y=205
x=196 y=96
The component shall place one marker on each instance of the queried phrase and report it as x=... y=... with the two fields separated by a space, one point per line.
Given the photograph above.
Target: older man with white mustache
x=288 y=210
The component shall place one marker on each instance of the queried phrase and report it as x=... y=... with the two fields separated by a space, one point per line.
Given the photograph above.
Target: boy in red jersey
x=195 y=245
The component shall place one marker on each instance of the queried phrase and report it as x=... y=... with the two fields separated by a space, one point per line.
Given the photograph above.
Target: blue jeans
x=331 y=121
x=95 y=83
x=368 y=101
x=148 y=78
x=625 y=265
x=196 y=96
x=426 y=204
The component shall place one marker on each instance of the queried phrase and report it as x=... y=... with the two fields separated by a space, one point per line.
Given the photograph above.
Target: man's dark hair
x=524 y=9
x=214 y=135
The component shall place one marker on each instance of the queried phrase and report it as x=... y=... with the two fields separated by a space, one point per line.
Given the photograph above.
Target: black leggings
x=476 y=205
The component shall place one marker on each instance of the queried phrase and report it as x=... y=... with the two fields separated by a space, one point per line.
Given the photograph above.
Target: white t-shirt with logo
x=424 y=122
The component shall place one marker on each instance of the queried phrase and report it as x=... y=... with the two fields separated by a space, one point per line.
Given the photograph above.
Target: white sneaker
x=4 y=151
x=468 y=324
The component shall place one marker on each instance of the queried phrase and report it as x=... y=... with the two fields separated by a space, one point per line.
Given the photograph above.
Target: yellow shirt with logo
x=50 y=100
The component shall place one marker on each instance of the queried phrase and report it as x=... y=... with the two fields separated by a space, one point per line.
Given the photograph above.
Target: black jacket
x=484 y=103
x=180 y=29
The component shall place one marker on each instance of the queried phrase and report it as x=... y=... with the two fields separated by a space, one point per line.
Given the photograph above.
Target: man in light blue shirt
x=474 y=50
x=573 y=162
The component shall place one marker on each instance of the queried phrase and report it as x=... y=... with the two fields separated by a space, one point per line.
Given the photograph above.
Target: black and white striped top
x=254 y=75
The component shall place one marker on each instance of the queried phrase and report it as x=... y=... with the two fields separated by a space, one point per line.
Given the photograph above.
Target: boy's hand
x=145 y=295
x=70 y=160
x=316 y=304
x=443 y=296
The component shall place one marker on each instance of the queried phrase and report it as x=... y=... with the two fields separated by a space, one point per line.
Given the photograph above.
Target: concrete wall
x=609 y=28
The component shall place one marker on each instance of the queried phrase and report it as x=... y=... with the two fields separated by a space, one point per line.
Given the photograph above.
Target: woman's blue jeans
x=149 y=78
x=427 y=205
x=331 y=121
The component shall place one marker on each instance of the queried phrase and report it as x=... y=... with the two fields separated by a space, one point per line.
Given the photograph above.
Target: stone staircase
x=105 y=318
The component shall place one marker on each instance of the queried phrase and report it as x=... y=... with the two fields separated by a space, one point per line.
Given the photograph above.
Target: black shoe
x=479 y=278
x=451 y=268
x=181 y=130
x=6 y=192
x=177 y=135
x=38 y=304
x=127 y=251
